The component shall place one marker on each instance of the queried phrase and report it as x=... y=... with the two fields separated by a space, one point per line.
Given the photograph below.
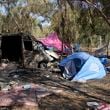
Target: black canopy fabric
x=12 y=46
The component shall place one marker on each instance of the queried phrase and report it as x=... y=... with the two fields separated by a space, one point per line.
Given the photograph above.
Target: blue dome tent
x=81 y=66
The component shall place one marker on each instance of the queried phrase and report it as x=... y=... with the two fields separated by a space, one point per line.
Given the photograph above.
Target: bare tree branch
x=70 y=2
x=101 y=13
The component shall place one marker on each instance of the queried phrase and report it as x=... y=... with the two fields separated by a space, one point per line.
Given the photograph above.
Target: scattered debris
x=92 y=105
x=98 y=106
x=103 y=106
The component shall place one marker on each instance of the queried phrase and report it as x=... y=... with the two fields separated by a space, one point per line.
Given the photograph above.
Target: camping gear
x=81 y=66
x=13 y=46
x=53 y=41
x=105 y=61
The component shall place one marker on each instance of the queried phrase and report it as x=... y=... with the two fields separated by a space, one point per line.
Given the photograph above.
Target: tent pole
x=22 y=53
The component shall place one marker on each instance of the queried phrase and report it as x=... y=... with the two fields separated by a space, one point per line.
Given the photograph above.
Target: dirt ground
x=74 y=95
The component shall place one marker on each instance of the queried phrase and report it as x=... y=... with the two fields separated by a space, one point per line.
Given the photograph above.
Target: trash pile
x=26 y=53
x=98 y=106
x=79 y=66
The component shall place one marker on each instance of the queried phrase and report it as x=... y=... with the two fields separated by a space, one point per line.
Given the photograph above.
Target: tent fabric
x=13 y=45
x=90 y=67
x=52 y=40
x=80 y=55
x=69 y=70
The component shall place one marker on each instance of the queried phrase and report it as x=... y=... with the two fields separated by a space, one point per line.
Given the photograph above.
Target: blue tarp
x=81 y=66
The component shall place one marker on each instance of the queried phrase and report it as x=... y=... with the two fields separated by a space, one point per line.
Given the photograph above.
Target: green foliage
x=86 y=27
x=20 y=15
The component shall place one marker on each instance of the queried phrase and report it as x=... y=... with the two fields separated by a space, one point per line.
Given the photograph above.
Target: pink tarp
x=52 y=40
